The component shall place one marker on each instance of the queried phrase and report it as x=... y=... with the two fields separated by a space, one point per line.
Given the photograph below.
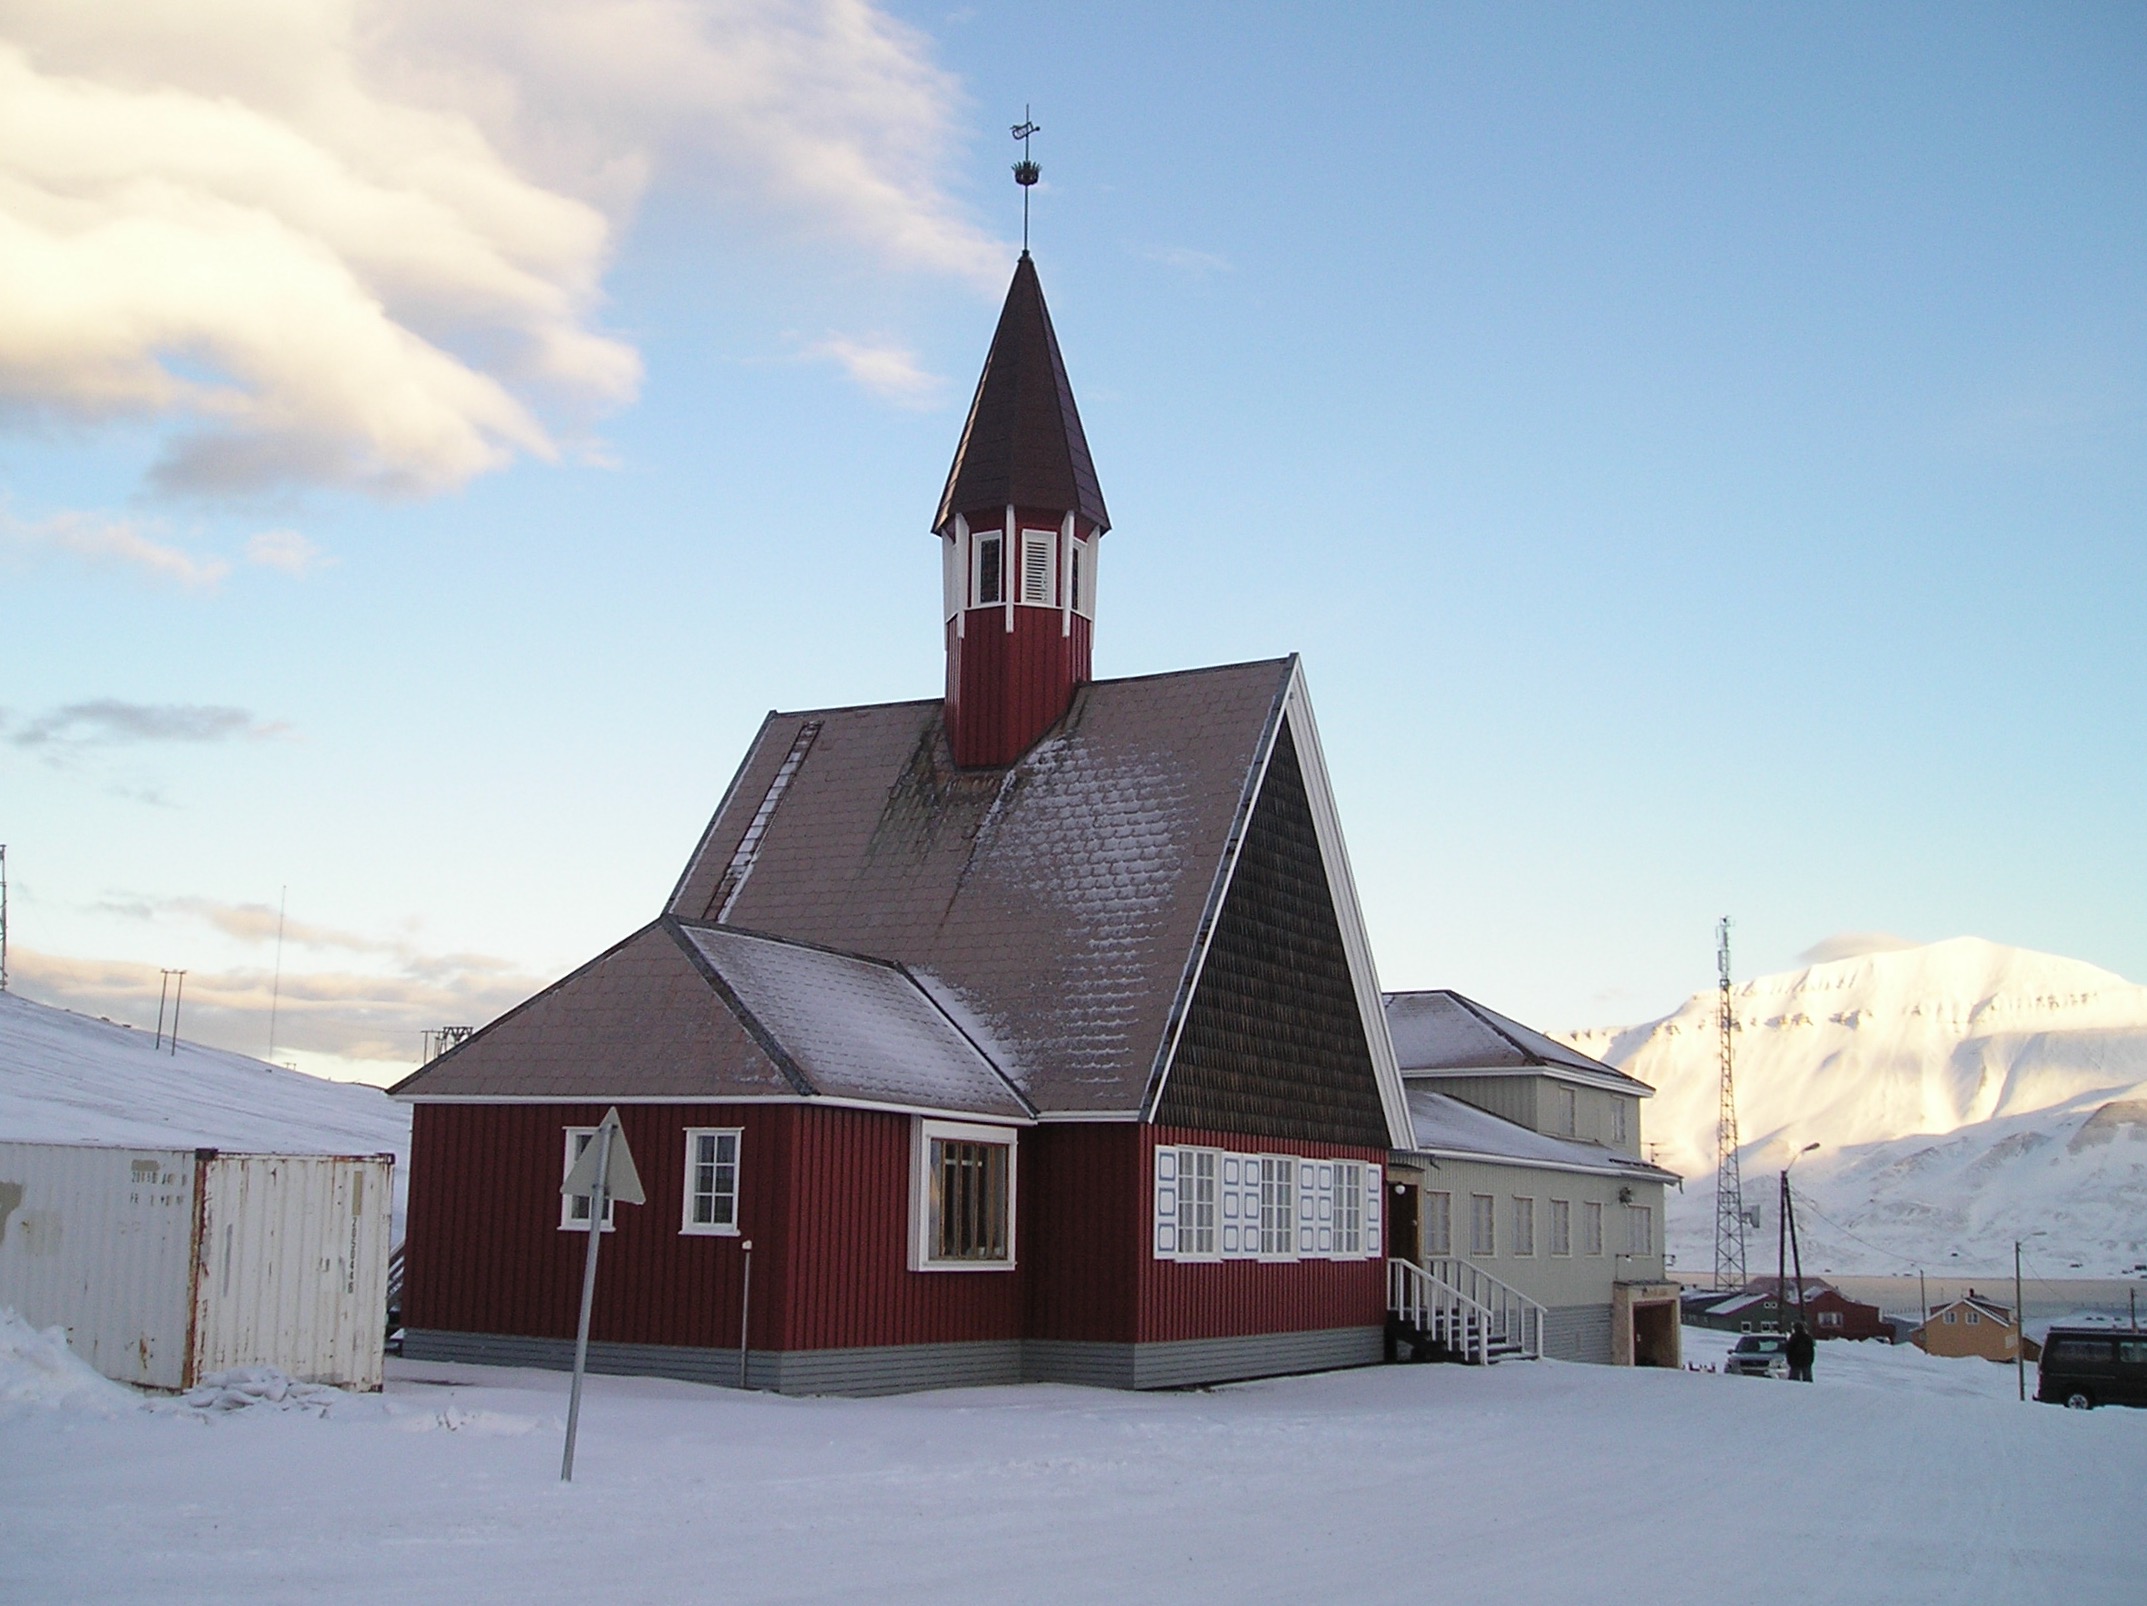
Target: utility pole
x=1729 y=1177
x=178 y=996
x=2020 y=1329
x=3 y=917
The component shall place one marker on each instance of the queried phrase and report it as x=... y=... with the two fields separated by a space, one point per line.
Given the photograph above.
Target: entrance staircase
x=1450 y=1309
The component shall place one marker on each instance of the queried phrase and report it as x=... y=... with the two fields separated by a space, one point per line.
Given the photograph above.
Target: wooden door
x=1402 y=1239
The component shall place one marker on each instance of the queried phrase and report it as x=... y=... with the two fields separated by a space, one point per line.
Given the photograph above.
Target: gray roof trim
x=816 y=1100
x=1637 y=1170
x=1613 y=1083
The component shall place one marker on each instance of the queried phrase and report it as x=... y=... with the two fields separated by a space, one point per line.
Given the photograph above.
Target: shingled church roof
x=1022 y=444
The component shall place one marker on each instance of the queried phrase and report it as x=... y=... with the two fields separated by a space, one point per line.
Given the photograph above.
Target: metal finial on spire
x=1026 y=172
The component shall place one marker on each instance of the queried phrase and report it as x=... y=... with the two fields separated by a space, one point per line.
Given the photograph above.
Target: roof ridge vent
x=748 y=849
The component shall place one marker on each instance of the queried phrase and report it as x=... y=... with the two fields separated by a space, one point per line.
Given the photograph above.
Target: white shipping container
x=168 y=1265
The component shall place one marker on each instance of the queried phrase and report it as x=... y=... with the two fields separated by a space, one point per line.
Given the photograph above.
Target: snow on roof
x=1441 y=1030
x=1445 y=1125
x=855 y=1028
x=1061 y=898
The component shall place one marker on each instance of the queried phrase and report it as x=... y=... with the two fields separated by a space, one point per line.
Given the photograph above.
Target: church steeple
x=1019 y=525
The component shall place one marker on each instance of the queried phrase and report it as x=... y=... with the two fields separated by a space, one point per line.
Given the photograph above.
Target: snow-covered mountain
x=1964 y=1093
x=69 y=1078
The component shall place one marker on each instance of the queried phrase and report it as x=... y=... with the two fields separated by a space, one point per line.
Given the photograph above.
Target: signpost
x=604 y=1172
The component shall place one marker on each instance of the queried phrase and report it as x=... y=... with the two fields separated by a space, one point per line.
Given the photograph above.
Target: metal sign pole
x=588 y=1295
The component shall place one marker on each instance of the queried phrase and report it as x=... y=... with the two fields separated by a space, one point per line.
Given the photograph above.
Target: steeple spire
x=1020 y=523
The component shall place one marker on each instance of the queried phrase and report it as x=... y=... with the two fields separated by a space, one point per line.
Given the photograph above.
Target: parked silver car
x=1759 y=1355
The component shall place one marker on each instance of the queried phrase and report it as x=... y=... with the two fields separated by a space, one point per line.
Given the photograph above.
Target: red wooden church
x=1026 y=1033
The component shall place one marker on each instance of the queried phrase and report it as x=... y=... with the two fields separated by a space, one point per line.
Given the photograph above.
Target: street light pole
x=2020 y=1329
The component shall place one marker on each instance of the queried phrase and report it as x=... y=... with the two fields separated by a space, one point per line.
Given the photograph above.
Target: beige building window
x=1561 y=1226
x=1524 y=1226
x=1591 y=1227
x=1438 y=1224
x=1483 y=1224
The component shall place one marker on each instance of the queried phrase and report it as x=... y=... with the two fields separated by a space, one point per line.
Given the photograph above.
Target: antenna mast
x=1729 y=1179
x=3 y=917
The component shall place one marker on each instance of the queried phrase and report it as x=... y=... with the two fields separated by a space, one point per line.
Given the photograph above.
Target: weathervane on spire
x=1026 y=172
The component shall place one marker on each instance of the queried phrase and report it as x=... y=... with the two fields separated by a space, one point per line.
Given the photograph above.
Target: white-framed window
x=1639 y=1230
x=1949 y=1318
x=1039 y=580
x=1619 y=1123
x=1213 y=1204
x=1591 y=1227
x=1973 y=1318
x=574 y=1209
x=950 y=573
x=1565 y=1110
x=962 y=1197
x=1830 y=1318
x=1278 y=1207
x=1483 y=1225
x=1524 y=1226
x=1438 y=1224
x=1561 y=1226
x=711 y=1202
x=1081 y=576
x=987 y=569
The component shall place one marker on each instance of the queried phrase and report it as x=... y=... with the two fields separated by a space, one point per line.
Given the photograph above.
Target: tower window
x=1036 y=549
x=991 y=570
x=1077 y=577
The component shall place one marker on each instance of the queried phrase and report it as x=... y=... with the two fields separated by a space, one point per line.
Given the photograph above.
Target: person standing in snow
x=1802 y=1347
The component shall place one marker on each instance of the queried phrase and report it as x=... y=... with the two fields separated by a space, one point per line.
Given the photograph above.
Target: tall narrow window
x=1567 y=1111
x=1561 y=1226
x=1077 y=577
x=1617 y=1121
x=574 y=1208
x=1037 y=549
x=1591 y=1228
x=1348 y=1208
x=1639 y=1230
x=1524 y=1226
x=711 y=1205
x=991 y=570
x=1278 y=1201
x=1438 y=1224
x=1196 y=1201
x=1483 y=1224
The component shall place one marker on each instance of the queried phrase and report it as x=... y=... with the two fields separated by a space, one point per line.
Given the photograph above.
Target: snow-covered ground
x=70 y=1078
x=1966 y=1093
x=1894 y=1478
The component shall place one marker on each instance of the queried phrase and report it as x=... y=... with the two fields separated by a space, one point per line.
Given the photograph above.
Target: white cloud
x=107 y=720
x=285 y=550
x=361 y=242
x=888 y=370
x=98 y=539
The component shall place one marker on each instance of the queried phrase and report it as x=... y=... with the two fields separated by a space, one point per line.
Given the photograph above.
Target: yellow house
x=1972 y=1325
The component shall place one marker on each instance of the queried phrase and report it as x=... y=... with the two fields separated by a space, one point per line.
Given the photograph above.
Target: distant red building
x=1753 y=1309
x=1027 y=1033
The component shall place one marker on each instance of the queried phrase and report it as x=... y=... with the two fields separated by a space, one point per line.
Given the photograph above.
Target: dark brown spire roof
x=1023 y=442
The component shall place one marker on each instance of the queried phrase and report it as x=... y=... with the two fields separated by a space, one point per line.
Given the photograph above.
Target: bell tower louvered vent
x=1019 y=524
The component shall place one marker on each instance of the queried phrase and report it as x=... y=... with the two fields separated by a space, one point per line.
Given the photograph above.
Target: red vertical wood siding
x=1084 y=1230
x=1005 y=688
x=1229 y=1298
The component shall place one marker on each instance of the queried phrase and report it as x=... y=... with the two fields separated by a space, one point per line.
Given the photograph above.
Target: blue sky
x=1699 y=452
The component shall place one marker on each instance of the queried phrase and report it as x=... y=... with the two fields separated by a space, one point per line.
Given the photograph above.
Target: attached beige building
x=1971 y=1325
x=1526 y=1170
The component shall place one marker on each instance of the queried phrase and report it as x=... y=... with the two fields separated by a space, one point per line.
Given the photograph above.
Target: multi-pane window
x=1591 y=1227
x=1483 y=1224
x=711 y=1204
x=1278 y=1200
x=1639 y=1230
x=962 y=1198
x=574 y=1208
x=969 y=1197
x=1561 y=1226
x=1211 y=1204
x=1438 y=1224
x=1618 y=1121
x=990 y=585
x=1524 y=1226
x=1568 y=1110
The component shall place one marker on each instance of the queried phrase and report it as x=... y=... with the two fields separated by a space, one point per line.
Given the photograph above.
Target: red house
x=1030 y=1032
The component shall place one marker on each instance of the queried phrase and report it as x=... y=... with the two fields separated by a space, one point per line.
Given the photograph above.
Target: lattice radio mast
x=1729 y=1179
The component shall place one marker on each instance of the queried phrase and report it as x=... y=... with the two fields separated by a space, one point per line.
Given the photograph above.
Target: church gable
x=1274 y=1041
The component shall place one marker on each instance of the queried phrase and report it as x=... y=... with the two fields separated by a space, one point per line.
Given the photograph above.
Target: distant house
x=1974 y=1324
x=1525 y=1172
x=1754 y=1309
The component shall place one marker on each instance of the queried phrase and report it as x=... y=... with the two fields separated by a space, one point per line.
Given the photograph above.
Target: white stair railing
x=1512 y=1317
x=1440 y=1311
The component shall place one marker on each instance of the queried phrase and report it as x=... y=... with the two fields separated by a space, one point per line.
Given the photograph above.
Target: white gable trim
x=819 y=1101
x=1630 y=1086
x=1295 y=707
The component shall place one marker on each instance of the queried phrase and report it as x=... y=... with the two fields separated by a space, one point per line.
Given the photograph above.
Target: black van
x=2088 y=1366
